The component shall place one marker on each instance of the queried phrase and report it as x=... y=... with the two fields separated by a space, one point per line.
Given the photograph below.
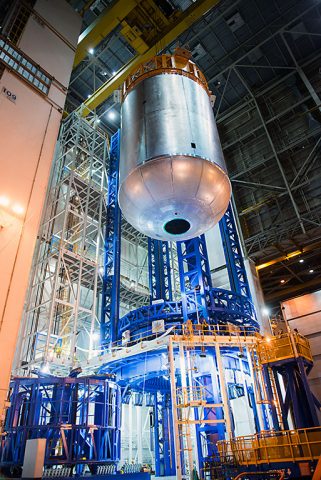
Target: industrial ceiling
x=262 y=61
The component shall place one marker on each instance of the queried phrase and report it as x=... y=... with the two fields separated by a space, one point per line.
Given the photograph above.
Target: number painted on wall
x=10 y=95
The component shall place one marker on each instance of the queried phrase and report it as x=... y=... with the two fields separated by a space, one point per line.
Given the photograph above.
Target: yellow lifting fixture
x=147 y=42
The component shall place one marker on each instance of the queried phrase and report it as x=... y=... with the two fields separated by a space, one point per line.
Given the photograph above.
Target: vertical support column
x=111 y=279
x=160 y=282
x=139 y=430
x=177 y=440
x=159 y=448
x=311 y=408
x=233 y=255
x=185 y=430
x=227 y=415
x=284 y=411
x=195 y=278
x=262 y=421
x=163 y=435
x=130 y=430
x=168 y=434
x=269 y=391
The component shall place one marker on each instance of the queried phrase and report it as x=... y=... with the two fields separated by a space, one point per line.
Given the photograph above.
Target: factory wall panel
x=26 y=152
x=65 y=22
x=29 y=128
x=304 y=313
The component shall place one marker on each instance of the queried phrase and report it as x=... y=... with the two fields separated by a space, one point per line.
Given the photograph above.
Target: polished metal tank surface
x=173 y=183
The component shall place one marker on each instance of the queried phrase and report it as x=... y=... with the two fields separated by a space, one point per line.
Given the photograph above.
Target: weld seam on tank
x=199 y=183
x=188 y=155
x=143 y=180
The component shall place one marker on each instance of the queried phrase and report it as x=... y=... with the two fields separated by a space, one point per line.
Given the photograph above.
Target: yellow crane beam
x=288 y=256
x=101 y=27
x=172 y=31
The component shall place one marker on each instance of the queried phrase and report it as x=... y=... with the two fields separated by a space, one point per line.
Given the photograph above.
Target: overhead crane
x=147 y=42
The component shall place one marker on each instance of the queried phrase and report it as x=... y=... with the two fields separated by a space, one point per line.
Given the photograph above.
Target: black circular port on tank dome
x=177 y=226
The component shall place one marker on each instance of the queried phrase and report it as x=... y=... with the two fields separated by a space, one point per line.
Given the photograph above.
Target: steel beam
x=101 y=27
x=295 y=290
x=258 y=45
x=315 y=97
x=182 y=23
x=295 y=207
x=259 y=185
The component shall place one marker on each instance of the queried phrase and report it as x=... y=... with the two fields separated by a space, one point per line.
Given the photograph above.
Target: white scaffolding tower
x=60 y=328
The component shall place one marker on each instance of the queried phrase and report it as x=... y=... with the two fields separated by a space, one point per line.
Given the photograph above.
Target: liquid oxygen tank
x=173 y=180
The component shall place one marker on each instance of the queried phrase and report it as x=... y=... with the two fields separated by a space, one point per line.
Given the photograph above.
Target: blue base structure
x=79 y=417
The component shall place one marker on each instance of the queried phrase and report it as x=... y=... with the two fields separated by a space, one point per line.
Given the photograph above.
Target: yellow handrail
x=288 y=445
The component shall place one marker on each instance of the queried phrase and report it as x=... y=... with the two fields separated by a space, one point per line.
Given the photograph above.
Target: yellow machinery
x=145 y=26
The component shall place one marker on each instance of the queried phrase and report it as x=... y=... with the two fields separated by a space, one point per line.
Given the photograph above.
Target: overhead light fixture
x=18 y=209
x=91 y=51
x=282 y=281
x=265 y=311
x=95 y=336
x=111 y=115
x=114 y=72
x=89 y=95
x=301 y=260
x=97 y=120
x=4 y=201
x=311 y=270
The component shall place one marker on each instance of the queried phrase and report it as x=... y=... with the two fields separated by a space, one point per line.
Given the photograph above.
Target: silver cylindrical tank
x=173 y=181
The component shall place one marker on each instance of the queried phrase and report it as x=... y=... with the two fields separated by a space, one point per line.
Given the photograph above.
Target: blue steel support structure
x=111 y=277
x=160 y=283
x=298 y=398
x=64 y=410
x=163 y=435
x=160 y=286
x=199 y=300
x=195 y=278
x=233 y=255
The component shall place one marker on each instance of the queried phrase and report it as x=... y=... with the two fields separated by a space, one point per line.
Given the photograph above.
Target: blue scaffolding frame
x=233 y=254
x=160 y=282
x=64 y=410
x=111 y=276
x=195 y=278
